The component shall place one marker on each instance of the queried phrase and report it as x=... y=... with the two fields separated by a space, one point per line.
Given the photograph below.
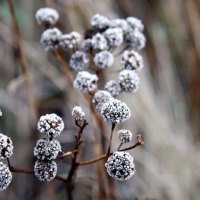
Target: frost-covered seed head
x=135 y=23
x=46 y=16
x=78 y=115
x=136 y=40
x=120 y=23
x=51 y=125
x=100 y=22
x=45 y=171
x=114 y=36
x=79 y=61
x=99 y=42
x=120 y=165
x=70 y=41
x=6 y=146
x=50 y=38
x=132 y=60
x=115 y=111
x=101 y=97
x=5 y=176
x=46 y=149
x=125 y=136
x=113 y=87
x=103 y=59
x=85 y=82
x=129 y=81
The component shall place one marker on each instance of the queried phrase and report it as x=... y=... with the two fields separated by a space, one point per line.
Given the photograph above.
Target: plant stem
x=110 y=141
x=27 y=171
x=120 y=146
x=23 y=63
x=87 y=162
x=74 y=164
x=63 y=65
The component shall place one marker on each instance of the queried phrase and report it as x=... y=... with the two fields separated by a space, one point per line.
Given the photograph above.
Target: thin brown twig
x=74 y=164
x=111 y=136
x=24 y=66
x=120 y=146
x=63 y=65
x=28 y=171
x=87 y=162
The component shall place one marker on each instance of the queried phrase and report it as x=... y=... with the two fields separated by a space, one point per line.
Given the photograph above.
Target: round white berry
x=46 y=16
x=103 y=59
x=114 y=111
x=79 y=61
x=120 y=165
x=45 y=170
x=129 y=81
x=51 y=125
x=125 y=136
x=85 y=82
x=6 y=146
x=113 y=87
x=46 y=149
x=132 y=60
x=50 y=38
x=101 y=97
x=5 y=176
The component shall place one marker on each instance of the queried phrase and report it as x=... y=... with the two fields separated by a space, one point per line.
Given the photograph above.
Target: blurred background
x=165 y=110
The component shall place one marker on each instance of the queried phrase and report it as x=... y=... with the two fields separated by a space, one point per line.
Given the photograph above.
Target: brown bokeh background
x=165 y=110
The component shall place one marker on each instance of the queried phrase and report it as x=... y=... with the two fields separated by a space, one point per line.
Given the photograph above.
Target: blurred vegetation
x=166 y=110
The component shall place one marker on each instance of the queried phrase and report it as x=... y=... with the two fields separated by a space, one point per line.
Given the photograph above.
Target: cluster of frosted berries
x=125 y=136
x=6 y=150
x=120 y=165
x=78 y=115
x=103 y=59
x=113 y=87
x=47 y=149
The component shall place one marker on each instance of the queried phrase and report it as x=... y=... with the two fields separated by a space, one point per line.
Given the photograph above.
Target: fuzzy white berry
x=132 y=60
x=50 y=38
x=46 y=16
x=5 y=176
x=51 y=125
x=135 y=23
x=79 y=61
x=125 y=136
x=129 y=81
x=45 y=170
x=6 y=146
x=100 y=22
x=101 y=97
x=46 y=149
x=115 y=111
x=114 y=36
x=85 y=82
x=78 y=115
x=113 y=87
x=103 y=59
x=135 y=39
x=120 y=165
